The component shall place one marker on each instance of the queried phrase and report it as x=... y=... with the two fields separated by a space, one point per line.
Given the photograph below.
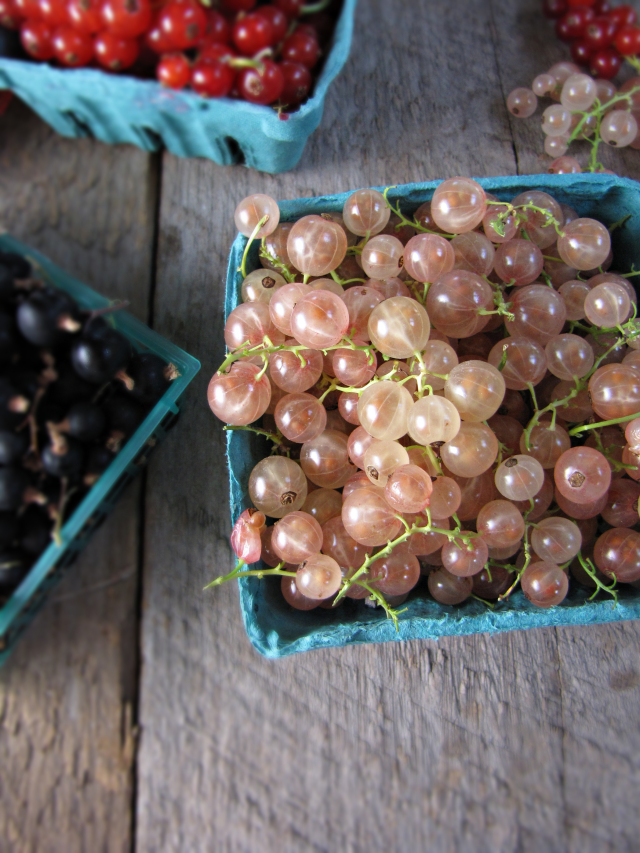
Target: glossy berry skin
x=115 y=53
x=218 y=29
x=261 y=88
x=297 y=83
x=605 y=64
x=84 y=15
x=36 y=38
x=68 y=464
x=174 y=71
x=622 y=16
x=252 y=33
x=184 y=22
x=627 y=41
x=53 y=12
x=302 y=48
x=277 y=19
x=212 y=79
x=599 y=33
x=126 y=18
x=573 y=25
x=72 y=48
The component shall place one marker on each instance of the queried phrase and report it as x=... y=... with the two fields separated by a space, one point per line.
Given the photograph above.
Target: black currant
x=13 y=568
x=85 y=421
x=35 y=530
x=149 y=377
x=47 y=317
x=13 y=484
x=13 y=446
x=98 y=359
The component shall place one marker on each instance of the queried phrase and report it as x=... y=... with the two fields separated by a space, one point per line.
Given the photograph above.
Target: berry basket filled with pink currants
x=432 y=398
x=86 y=393
x=236 y=81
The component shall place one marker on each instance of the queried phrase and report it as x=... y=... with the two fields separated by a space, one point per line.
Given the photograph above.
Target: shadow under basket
x=19 y=610
x=115 y=108
x=276 y=629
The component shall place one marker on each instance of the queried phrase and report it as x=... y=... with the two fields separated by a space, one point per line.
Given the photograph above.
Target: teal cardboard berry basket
x=275 y=628
x=116 y=108
x=19 y=610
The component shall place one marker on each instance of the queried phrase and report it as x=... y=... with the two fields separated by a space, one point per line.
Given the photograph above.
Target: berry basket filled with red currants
x=239 y=81
x=432 y=404
x=86 y=393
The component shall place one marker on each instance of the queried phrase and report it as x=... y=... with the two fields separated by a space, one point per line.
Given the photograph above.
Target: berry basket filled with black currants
x=432 y=400
x=86 y=393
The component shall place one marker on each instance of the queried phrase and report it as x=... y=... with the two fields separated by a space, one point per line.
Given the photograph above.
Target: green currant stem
x=451 y=535
x=483 y=601
x=619 y=223
x=342 y=281
x=514 y=209
x=412 y=223
x=243 y=266
x=589 y=568
x=253 y=573
x=284 y=271
x=580 y=429
x=313 y=8
x=276 y=438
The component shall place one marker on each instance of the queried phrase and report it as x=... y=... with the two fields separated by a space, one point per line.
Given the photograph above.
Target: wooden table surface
x=135 y=715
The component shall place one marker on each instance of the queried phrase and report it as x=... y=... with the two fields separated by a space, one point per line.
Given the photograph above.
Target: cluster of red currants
x=72 y=392
x=589 y=110
x=264 y=53
x=446 y=395
x=601 y=36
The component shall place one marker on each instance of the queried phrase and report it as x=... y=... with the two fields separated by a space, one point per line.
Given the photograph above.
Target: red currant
x=127 y=18
x=605 y=64
x=602 y=7
x=54 y=12
x=297 y=83
x=574 y=23
x=277 y=19
x=71 y=47
x=113 y=52
x=157 y=39
x=174 y=70
x=184 y=22
x=302 y=48
x=36 y=39
x=252 y=33
x=573 y=4
x=627 y=41
x=261 y=88
x=599 y=33
x=581 y=52
x=291 y=8
x=9 y=16
x=221 y=52
x=218 y=29
x=27 y=9
x=211 y=78
x=84 y=15
x=623 y=16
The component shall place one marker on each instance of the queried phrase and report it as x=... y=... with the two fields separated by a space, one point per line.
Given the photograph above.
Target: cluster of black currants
x=72 y=391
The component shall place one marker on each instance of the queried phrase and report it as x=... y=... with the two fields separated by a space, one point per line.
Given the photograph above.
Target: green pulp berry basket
x=275 y=628
x=117 y=108
x=22 y=606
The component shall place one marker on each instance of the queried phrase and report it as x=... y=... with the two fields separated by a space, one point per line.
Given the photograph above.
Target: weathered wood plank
x=449 y=746
x=68 y=694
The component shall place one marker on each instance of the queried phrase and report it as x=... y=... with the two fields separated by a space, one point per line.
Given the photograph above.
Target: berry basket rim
x=144 y=338
x=429 y=620
x=148 y=96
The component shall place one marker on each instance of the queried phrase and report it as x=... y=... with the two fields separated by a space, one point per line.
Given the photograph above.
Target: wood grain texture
x=455 y=746
x=67 y=695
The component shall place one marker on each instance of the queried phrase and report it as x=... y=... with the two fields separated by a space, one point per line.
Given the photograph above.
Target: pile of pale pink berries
x=588 y=109
x=428 y=384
